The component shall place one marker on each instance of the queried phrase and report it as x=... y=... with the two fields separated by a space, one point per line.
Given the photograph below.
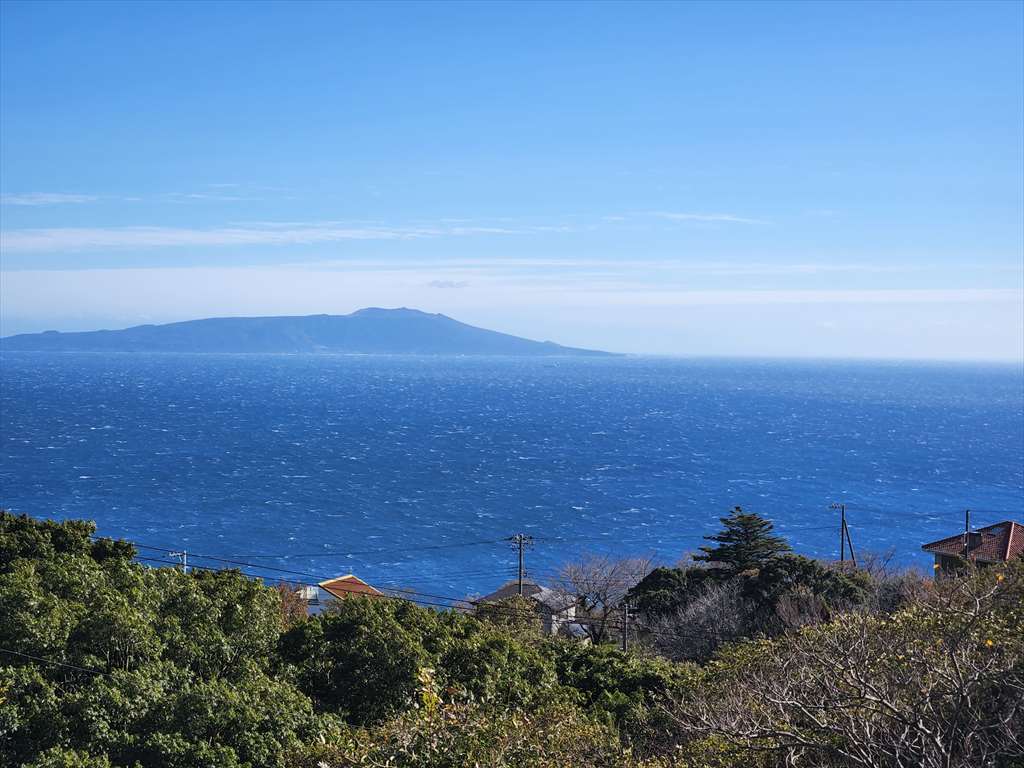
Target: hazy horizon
x=667 y=355
x=829 y=180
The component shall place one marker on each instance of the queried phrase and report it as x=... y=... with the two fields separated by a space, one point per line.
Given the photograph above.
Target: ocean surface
x=411 y=471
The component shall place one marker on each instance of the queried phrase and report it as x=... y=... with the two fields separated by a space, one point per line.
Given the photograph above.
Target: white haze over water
x=788 y=310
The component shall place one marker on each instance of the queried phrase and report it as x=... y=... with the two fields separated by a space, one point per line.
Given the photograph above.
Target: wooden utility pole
x=842 y=530
x=521 y=541
x=849 y=542
x=845 y=540
x=625 y=627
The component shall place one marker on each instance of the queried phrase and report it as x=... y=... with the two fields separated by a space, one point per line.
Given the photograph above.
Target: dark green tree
x=745 y=543
x=517 y=614
x=500 y=669
x=356 y=660
x=665 y=590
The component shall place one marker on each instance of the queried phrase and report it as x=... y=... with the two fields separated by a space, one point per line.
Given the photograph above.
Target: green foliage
x=364 y=659
x=200 y=670
x=357 y=659
x=792 y=590
x=58 y=757
x=783 y=574
x=624 y=690
x=937 y=684
x=29 y=711
x=181 y=661
x=664 y=590
x=746 y=542
x=495 y=668
x=214 y=622
x=456 y=735
x=516 y=614
x=784 y=592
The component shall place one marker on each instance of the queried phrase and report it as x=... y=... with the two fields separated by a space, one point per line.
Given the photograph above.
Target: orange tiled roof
x=998 y=543
x=343 y=586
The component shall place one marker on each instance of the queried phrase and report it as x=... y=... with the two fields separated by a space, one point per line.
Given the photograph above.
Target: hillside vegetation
x=105 y=662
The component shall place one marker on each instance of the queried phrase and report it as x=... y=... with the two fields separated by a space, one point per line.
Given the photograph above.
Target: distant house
x=557 y=610
x=998 y=543
x=323 y=594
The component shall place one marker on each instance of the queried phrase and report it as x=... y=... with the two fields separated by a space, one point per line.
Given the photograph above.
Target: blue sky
x=823 y=179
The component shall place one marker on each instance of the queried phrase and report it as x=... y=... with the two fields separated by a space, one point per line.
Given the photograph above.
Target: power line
x=339 y=587
x=404 y=550
x=242 y=563
x=683 y=542
x=521 y=541
x=467 y=607
x=53 y=661
x=470 y=607
x=416 y=597
x=410 y=595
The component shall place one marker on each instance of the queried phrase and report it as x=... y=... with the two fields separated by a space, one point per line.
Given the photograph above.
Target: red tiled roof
x=999 y=543
x=343 y=586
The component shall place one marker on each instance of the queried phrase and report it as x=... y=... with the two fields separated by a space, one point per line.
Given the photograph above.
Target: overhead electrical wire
x=404 y=550
x=54 y=662
x=468 y=605
x=413 y=595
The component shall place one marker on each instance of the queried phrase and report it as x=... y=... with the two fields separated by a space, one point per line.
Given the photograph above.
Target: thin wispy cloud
x=45 y=198
x=651 y=296
x=264 y=284
x=214 y=193
x=81 y=238
x=627 y=268
x=90 y=238
x=705 y=217
x=228 y=192
x=181 y=197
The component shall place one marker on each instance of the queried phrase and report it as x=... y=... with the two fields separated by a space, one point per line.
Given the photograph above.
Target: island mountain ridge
x=372 y=330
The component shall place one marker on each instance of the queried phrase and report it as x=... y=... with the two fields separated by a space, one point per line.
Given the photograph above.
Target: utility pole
x=849 y=541
x=183 y=556
x=845 y=540
x=842 y=530
x=521 y=541
x=967 y=533
x=625 y=627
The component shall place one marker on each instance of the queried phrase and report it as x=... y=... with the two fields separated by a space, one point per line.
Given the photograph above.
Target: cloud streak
x=221 y=193
x=706 y=217
x=45 y=198
x=92 y=238
x=648 y=296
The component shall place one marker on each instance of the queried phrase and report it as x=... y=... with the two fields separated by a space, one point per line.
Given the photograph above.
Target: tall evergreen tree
x=745 y=542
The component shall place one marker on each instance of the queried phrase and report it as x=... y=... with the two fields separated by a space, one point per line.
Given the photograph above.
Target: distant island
x=371 y=331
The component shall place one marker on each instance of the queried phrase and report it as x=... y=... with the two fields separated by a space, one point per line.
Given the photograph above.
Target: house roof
x=549 y=598
x=343 y=586
x=996 y=543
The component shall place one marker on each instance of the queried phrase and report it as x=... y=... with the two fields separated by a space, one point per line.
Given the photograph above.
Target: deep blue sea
x=409 y=471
